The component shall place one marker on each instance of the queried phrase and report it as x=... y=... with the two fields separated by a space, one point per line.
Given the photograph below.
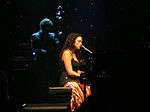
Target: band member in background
x=45 y=51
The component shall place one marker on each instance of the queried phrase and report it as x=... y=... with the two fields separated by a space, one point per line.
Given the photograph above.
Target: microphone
x=87 y=49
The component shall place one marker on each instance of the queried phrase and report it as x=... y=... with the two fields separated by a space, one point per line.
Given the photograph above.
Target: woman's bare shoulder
x=67 y=55
x=67 y=52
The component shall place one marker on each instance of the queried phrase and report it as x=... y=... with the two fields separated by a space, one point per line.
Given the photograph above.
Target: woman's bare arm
x=67 y=57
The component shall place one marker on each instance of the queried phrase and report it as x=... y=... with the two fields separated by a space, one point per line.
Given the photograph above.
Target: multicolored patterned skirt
x=77 y=97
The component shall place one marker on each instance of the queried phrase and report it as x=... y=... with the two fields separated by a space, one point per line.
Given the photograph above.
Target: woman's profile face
x=78 y=42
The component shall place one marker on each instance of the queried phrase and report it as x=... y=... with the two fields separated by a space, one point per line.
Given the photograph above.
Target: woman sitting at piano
x=71 y=72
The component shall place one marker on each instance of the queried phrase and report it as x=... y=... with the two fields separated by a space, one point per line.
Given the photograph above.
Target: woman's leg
x=77 y=95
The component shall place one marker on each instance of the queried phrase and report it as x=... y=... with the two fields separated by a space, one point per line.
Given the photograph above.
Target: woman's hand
x=80 y=72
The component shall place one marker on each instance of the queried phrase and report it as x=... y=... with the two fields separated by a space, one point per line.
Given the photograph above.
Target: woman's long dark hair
x=69 y=43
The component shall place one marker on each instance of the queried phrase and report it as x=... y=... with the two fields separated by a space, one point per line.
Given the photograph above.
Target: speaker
x=47 y=107
x=58 y=100
x=61 y=94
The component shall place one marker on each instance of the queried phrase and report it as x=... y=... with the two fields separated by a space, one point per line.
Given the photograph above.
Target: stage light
x=59 y=17
x=33 y=53
x=59 y=7
x=60 y=32
x=58 y=13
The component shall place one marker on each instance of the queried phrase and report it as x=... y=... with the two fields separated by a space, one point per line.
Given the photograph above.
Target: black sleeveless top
x=64 y=75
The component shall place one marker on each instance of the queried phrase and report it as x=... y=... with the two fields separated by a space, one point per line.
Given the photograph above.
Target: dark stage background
x=117 y=31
